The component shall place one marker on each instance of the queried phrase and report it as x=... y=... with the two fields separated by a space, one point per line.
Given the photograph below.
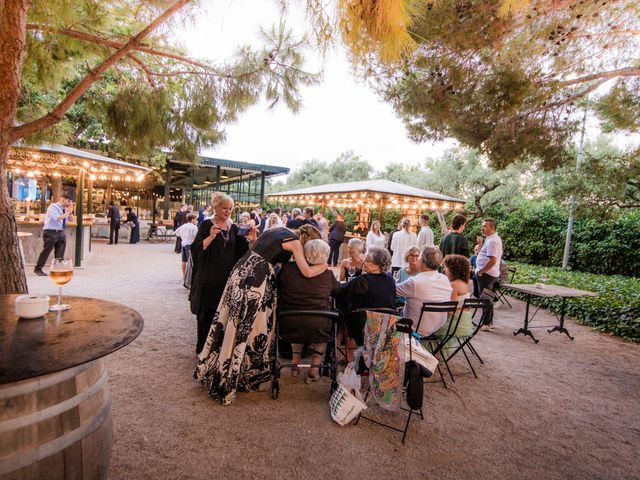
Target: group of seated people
x=367 y=283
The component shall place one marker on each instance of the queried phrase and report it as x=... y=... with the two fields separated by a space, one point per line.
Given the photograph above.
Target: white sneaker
x=486 y=328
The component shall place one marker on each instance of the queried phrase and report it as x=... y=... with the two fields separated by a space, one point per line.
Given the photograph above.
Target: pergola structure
x=49 y=163
x=369 y=194
x=243 y=181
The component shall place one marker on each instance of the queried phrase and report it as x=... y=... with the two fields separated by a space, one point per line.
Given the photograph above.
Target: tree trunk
x=13 y=21
x=442 y=221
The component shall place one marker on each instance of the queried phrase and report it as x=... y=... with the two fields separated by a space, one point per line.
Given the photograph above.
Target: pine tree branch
x=145 y=69
x=620 y=72
x=114 y=44
x=58 y=112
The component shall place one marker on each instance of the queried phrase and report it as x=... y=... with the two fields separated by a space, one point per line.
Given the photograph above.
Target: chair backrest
x=483 y=304
x=487 y=293
x=448 y=308
x=512 y=273
x=316 y=313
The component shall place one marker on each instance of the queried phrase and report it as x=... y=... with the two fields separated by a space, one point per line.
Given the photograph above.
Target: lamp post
x=572 y=200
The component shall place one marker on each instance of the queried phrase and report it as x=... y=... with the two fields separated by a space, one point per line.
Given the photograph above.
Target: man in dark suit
x=114 y=222
x=337 y=231
x=178 y=220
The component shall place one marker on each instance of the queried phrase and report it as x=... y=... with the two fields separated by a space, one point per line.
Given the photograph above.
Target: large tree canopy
x=505 y=81
x=100 y=71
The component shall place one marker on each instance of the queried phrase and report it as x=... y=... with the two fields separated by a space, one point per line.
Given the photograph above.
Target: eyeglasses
x=413 y=256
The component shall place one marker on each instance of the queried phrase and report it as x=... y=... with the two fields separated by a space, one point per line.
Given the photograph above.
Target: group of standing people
x=243 y=273
x=115 y=222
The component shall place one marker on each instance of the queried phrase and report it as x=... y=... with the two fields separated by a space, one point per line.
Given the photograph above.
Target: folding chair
x=511 y=272
x=464 y=341
x=363 y=312
x=403 y=325
x=435 y=343
x=329 y=362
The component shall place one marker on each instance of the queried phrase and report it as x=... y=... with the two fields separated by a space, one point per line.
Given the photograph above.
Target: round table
x=55 y=405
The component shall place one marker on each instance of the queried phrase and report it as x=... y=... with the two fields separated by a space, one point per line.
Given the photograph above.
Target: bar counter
x=32 y=245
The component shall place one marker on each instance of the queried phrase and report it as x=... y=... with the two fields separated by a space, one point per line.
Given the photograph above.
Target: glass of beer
x=61 y=273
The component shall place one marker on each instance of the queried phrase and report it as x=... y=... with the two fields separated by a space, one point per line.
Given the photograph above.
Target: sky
x=337 y=115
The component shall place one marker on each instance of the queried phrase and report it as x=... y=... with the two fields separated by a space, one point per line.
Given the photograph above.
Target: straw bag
x=346 y=402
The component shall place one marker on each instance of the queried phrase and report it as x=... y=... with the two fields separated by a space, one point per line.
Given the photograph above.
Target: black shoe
x=110 y=243
x=38 y=271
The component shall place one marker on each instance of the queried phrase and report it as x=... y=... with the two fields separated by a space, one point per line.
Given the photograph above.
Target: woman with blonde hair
x=239 y=349
x=353 y=264
x=215 y=250
x=375 y=237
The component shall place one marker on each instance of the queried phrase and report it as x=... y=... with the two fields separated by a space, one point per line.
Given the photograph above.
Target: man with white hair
x=297 y=219
x=427 y=286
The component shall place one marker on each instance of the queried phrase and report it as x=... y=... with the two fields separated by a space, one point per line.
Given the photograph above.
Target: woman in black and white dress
x=239 y=348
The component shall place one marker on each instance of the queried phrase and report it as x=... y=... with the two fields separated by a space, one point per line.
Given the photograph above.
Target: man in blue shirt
x=53 y=233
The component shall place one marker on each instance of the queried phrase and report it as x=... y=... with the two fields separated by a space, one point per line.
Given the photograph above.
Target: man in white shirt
x=187 y=233
x=425 y=237
x=427 y=286
x=488 y=265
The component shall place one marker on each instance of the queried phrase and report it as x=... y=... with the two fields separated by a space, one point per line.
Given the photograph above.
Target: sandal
x=295 y=371
x=311 y=378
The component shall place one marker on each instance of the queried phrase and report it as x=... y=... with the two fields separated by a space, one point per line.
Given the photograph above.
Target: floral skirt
x=239 y=350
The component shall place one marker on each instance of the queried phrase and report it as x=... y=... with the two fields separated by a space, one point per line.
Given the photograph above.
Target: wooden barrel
x=57 y=426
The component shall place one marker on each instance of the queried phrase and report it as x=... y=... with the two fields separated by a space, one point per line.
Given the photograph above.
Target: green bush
x=535 y=233
x=616 y=309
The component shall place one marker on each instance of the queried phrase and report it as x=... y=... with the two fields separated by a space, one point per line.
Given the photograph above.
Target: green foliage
x=508 y=84
x=147 y=102
x=535 y=233
x=606 y=180
x=348 y=167
x=620 y=107
x=616 y=309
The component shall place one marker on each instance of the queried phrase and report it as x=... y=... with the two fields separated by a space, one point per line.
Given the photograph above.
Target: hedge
x=616 y=309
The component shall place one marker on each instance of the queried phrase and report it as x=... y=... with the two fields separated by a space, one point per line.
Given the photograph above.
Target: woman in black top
x=132 y=220
x=215 y=250
x=238 y=352
x=374 y=289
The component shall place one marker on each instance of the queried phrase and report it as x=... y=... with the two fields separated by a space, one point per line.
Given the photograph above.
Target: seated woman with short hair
x=373 y=289
x=297 y=292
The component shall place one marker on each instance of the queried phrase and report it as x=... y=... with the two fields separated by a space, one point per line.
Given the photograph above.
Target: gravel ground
x=555 y=410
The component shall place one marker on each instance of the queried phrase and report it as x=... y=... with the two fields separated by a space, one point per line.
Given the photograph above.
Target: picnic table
x=545 y=290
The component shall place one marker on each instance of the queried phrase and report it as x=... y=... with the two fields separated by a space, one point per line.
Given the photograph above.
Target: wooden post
x=89 y=195
x=262 y=178
x=167 y=193
x=79 y=215
x=43 y=194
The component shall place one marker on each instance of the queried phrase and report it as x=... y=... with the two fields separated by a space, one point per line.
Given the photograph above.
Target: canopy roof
x=390 y=193
x=60 y=160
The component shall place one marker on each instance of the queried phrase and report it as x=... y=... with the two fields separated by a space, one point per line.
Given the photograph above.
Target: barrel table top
x=91 y=329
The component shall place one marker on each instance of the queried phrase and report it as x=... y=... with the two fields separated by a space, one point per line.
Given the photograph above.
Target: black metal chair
x=403 y=325
x=330 y=360
x=464 y=341
x=511 y=273
x=436 y=343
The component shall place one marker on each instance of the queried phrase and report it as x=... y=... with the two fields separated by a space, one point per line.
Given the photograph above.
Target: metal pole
x=79 y=219
x=572 y=200
x=262 y=177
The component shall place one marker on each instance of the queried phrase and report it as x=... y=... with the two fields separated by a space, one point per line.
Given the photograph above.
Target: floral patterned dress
x=240 y=346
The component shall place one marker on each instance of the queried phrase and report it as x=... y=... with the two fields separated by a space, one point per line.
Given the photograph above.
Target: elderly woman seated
x=427 y=286
x=374 y=289
x=297 y=292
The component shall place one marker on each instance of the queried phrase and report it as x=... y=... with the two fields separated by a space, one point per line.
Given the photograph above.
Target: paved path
x=555 y=410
